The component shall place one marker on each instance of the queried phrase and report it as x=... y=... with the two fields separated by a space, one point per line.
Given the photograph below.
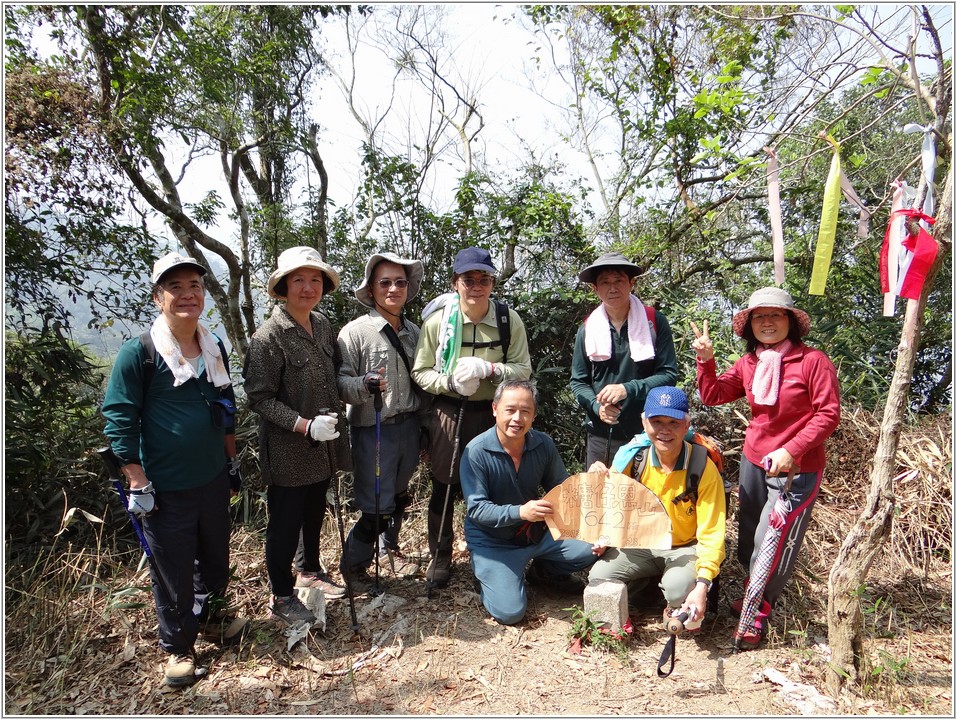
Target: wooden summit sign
x=613 y=508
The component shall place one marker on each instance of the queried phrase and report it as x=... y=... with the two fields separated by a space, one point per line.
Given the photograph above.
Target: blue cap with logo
x=668 y=401
x=473 y=258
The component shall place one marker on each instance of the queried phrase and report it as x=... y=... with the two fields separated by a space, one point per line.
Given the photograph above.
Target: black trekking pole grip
x=377 y=400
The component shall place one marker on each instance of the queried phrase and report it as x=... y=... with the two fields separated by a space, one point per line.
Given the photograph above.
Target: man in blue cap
x=469 y=344
x=687 y=570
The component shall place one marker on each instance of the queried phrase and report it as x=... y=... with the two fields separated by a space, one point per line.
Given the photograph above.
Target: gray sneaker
x=290 y=610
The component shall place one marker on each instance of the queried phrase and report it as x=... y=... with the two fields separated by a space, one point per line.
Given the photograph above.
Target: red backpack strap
x=650 y=313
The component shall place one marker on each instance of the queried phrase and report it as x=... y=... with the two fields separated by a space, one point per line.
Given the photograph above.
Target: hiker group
x=383 y=394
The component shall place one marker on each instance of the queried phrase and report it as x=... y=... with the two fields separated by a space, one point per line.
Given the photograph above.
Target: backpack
x=652 y=322
x=702 y=448
x=504 y=331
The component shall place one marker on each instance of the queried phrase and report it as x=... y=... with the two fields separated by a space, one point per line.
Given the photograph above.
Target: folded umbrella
x=764 y=563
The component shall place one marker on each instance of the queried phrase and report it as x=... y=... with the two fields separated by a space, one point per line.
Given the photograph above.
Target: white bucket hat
x=302 y=257
x=413 y=273
x=173 y=260
x=770 y=297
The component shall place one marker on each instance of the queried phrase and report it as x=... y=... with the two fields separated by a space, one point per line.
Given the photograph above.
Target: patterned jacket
x=288 y=375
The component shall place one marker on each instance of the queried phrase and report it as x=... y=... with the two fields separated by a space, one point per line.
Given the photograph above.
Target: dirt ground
x=415 y=655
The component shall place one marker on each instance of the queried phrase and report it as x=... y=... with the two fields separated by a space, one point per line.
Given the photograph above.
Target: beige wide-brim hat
x=302 y=257
x=413 y=273
x=770 y=297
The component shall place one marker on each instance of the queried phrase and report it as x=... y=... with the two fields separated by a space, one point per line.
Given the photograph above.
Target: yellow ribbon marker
x=825 y=236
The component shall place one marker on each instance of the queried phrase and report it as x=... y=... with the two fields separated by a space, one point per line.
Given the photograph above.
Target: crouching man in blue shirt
x=504 y=472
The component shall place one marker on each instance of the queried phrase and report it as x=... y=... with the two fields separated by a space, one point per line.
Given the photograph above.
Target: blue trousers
x=188 y=535
x=398 y=450
x=499 y=566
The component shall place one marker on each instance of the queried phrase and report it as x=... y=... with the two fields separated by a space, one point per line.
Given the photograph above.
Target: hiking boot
x=226 y=631
x=438 y=574
x=752 y=636
x=290 y=610
x=332 y=591
x=359 y=579
x=395 y=563
x=538 y=576
x=180 y=670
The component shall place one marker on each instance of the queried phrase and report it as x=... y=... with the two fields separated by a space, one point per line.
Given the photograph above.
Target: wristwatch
x=703 y=581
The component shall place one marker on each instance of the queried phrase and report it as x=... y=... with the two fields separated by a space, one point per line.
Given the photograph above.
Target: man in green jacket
x=459 y=359
x=623 y=350
x=176 y=444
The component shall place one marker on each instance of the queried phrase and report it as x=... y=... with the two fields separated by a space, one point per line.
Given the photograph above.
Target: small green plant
x=585 y=630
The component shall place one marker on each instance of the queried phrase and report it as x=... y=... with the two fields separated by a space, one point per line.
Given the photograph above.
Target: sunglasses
x=385 y=283
x=484 y=281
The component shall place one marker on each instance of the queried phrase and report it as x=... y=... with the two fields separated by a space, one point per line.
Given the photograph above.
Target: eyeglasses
x=774 y=316
x=386 y=283
x=484 y=281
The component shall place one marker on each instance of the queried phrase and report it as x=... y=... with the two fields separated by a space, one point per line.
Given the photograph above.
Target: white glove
x=465 y=387
x=142 y=501
x=467 y=368
x=322 y=428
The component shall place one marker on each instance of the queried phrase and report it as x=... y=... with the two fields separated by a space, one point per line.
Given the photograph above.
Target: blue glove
x=142 y=501
x=235 y=476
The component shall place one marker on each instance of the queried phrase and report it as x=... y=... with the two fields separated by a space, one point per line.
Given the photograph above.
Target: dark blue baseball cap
x=473 y=258
x=668 y=401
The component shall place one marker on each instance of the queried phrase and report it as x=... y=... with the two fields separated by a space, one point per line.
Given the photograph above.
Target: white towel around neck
x=168 y=348
x=598 y=335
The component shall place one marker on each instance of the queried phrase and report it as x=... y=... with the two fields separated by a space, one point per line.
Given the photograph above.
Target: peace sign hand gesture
x=702 y=343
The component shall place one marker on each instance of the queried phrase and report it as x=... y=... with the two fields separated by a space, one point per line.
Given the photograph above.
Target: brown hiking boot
x=180 y=670
x=439 y=574
x=393 y=562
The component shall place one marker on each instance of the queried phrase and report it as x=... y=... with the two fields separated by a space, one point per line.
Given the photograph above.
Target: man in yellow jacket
x=687 y=570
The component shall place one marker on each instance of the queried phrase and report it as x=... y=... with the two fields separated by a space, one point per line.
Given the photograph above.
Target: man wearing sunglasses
x=376 y=354
x=461 y=359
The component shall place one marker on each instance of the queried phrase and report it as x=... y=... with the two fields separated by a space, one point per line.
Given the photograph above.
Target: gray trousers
x=596 y=447
x=398 y=456
x=637 y=566
x=757 y=494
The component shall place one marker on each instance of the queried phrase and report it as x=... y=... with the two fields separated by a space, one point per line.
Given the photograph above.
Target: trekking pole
x=342 y=532
x=608 y=447
x=611 y=429
x=112 y=464
x=430 y=582
x=377 y=403
x=675 y=626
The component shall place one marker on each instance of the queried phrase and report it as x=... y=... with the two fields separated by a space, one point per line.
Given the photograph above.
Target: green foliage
x=588 y=631
x=52 y=422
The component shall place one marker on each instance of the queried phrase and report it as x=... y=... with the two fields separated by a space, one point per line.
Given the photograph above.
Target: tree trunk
x=864 y=541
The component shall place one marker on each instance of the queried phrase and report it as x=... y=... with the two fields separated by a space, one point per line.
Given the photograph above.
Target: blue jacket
x=494 y=491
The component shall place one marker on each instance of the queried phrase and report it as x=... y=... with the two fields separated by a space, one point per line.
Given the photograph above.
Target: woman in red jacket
x=795 y=406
